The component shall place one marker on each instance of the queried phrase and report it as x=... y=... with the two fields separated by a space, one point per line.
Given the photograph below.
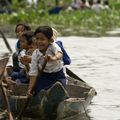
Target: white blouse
x=38 y=60
x=21 y=54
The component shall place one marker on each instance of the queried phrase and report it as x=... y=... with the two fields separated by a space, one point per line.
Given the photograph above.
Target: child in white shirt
x=53 y=70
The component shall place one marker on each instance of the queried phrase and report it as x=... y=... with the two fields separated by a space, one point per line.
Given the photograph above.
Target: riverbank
x=9 y=32
x=68 y=22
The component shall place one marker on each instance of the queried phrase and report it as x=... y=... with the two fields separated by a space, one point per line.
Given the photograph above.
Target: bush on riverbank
x=79 y=22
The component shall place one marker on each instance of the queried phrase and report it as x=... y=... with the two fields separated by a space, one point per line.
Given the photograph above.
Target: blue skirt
x=46 y=80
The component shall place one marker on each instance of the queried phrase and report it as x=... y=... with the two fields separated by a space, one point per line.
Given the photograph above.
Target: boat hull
x=80 y=96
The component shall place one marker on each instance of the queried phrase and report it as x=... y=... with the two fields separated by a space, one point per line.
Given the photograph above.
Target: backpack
x=66 y=58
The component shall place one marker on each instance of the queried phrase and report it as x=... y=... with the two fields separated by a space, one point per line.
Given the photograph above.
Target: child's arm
x=57 y=56
x=32 y=83
x=26 y=60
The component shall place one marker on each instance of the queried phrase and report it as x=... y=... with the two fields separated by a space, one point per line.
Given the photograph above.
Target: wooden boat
x=4 y=91
x=80 y=96
x=3 y=115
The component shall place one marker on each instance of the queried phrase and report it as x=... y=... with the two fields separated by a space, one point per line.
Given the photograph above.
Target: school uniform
x=20 y=75
x=52 y=72
x=16 y=67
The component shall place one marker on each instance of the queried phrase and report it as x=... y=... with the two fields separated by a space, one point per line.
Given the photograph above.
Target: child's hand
x=51 y=58
x=26 y=59
x=29 y=94
x=57 y=56
x=9 y=82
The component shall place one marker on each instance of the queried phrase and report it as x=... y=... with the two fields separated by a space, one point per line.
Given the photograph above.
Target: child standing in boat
x=53 y=70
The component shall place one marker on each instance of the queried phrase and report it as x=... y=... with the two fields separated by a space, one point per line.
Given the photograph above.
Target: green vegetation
x=82 y=22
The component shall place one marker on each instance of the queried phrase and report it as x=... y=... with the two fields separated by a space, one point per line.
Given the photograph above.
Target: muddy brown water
x=97 y=61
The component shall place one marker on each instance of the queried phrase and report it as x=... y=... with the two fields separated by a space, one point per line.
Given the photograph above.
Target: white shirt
x=21 y=54
x=38 y=60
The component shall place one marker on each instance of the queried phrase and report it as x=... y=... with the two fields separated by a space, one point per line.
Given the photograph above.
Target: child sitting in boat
x=27 y=47
x=16 y=69
x=24 y=57
x=66 y=59
x=53 y=70
x=20 y=28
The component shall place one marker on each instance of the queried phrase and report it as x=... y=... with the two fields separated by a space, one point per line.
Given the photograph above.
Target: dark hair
x=106 y=2
x=83 y=1
x=26 y=27
x=29 y=36
x=90 y=2
x=46 y=30
x=98 y=1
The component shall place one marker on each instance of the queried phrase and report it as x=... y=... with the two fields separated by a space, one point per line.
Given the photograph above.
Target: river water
x=97 y=61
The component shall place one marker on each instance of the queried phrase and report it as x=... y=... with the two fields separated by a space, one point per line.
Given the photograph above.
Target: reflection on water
x=97 y=61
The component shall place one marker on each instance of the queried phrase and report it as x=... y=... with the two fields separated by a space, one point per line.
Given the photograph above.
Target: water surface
x=97 y=61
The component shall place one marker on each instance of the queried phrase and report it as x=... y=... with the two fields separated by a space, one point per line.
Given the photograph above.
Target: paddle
x=6 y=42
x=71 y=74
x=10 y=117
x=2 y=68
x=28 y=97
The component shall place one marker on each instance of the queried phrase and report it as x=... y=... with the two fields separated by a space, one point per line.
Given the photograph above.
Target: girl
x=24 y=57
x=53 y=70
x=27 y=47
x=20 y=28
